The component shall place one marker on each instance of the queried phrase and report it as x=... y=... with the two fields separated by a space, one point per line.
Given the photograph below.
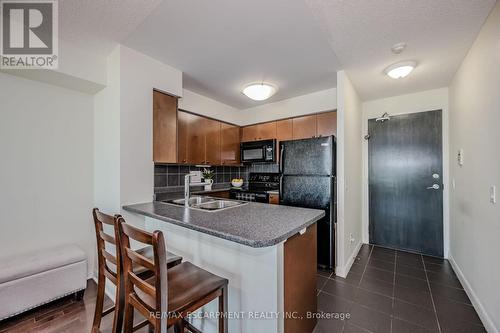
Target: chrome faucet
x=187 y=185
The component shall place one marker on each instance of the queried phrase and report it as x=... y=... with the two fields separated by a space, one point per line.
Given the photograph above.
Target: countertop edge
x=229 y=237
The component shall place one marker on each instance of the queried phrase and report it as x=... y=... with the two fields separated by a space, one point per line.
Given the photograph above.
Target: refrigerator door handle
x=281 y=187
x=282 y=151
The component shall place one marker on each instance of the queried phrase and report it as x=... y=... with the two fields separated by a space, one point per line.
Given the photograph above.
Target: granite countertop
x=252 y=224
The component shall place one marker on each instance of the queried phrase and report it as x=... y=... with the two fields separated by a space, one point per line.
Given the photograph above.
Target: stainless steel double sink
x=206 y=203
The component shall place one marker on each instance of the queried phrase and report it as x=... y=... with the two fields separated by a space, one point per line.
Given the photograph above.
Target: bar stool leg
x=99 y=303
x=222 y=311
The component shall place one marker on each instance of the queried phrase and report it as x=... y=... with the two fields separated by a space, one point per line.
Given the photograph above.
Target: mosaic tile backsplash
x=171 y=177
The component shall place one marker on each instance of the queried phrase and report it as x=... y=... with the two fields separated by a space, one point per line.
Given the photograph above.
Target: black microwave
x=258 y=151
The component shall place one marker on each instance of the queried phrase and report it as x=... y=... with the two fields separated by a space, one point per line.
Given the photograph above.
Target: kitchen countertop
x=252 y=224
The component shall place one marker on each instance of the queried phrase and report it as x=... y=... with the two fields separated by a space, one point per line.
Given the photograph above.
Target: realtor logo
x=29 y=34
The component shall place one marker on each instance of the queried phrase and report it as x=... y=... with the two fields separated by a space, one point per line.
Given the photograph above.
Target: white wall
x=474 y=127
x=203 y=105
x=349 y=173
x=79 y=69
x=46 y=169
x=429 y=100
x=325 y=100
x=124 y=128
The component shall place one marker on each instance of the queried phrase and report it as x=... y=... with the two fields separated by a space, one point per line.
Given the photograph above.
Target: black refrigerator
x=308 y=180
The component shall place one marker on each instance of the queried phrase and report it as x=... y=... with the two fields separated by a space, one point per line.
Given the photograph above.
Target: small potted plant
x=208 y=177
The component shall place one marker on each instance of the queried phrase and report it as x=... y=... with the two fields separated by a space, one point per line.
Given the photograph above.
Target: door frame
x=446 y=165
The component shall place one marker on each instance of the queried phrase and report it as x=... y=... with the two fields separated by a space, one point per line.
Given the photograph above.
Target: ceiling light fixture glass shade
x=401 y=69
x=259 y=91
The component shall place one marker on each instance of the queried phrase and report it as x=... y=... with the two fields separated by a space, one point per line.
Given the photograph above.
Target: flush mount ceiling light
x=401 y=69
x=259 y=91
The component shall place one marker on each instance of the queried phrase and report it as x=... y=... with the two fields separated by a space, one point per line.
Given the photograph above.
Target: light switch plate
x=460 y=157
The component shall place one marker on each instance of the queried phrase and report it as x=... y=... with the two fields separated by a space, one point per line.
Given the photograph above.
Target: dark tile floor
x=399 y=292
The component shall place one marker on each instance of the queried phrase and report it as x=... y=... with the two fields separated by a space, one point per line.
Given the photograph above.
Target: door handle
x=434 y=187
x=282 y=153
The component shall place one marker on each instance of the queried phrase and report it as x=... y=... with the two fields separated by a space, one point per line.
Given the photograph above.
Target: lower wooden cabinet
x=274 y=199
x=220 y=194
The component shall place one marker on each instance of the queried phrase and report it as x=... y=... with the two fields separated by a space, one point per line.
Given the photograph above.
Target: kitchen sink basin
x=206 y=203
x=218 y=204
x=192 y=201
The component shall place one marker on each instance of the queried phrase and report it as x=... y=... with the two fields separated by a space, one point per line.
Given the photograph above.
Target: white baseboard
x=342 y=271
x=481 y=311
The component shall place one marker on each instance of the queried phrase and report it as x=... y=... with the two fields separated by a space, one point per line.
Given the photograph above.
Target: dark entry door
x=405 y=182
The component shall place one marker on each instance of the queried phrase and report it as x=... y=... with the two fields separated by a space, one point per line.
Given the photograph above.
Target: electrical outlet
x=493 y=194
x=351 y=238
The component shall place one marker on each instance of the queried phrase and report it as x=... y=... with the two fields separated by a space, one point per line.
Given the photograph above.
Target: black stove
x=259 y=184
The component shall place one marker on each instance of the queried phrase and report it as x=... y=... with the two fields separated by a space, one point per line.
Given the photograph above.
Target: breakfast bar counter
x=267 y=252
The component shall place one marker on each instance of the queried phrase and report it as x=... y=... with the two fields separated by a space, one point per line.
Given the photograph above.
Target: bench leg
x=79 y=295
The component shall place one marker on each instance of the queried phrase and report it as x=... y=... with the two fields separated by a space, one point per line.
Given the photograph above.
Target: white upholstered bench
x=32 y=279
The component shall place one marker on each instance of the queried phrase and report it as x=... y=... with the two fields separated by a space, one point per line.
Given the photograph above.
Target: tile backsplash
x=171 y=177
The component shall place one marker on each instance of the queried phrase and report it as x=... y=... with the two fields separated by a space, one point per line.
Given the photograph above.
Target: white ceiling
x=221 y=45
x=438 y=33
x=299 y=45
x=99 y=25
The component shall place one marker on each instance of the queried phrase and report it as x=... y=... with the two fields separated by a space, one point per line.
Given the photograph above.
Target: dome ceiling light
x=400 y=69
x=259 y=91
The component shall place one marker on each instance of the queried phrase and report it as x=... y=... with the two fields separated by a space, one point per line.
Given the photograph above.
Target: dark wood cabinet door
x=191 y=138
x=326 y=124
x=183 y=119
x=230 y=144
x=304 y=127
x=164 y=128
x=249 y=133
x=266 y=131
x=212 y=141
x=284 y=131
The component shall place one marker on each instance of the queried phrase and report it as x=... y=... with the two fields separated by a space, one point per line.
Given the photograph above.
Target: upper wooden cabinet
x=230 y=144
x=191 y=138
x=304 y=127
x=264 y=131
x=205 y=141
x=164 y=128
x=284 y=130
x=326 y=123
x=212 y=129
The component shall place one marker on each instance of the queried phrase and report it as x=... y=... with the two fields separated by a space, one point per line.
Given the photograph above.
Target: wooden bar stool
x=110 y=267
x=166 y=298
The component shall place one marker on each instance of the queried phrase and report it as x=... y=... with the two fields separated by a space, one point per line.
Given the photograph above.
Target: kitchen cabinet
x=200 y=140
x=283 y=132
x=230 y=144
x=191 y=138
x=264 y=131
x=304 y=127
x=164 y=128
x=211 y=129
x=326 y=123
x=220 y=194
x=274 y=199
